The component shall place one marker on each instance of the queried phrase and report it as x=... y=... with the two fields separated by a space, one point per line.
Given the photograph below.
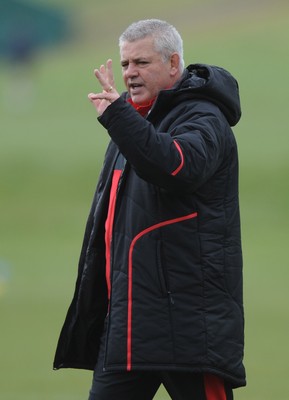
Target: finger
x=102 y=69
x=102 y=79
x=91 y=96
x=105 y=96
x=99 y=96
x=110 y=72
x=99 y=76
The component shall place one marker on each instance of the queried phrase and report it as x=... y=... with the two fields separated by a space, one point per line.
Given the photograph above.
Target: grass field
x=50 y=155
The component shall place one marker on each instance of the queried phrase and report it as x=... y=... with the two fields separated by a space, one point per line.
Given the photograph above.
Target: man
x=159 y=292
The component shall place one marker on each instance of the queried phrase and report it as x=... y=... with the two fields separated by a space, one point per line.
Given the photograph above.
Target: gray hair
x=167 y=39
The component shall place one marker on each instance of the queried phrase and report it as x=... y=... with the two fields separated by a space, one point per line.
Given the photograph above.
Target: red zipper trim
x=129 y=308
x=177 y=170
x=108 y=227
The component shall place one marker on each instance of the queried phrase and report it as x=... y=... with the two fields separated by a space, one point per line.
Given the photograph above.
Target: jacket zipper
x=121 y=169
x=108 y=273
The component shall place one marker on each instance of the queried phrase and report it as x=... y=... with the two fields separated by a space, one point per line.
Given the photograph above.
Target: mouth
x=134 y=86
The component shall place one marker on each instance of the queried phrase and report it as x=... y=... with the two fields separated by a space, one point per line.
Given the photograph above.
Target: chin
x=137 y=100
x=140 y=100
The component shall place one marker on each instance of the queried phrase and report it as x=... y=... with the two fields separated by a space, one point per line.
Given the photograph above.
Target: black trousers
x=143 y=385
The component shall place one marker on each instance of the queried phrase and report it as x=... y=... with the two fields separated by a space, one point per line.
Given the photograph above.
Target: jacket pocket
x=161 y=270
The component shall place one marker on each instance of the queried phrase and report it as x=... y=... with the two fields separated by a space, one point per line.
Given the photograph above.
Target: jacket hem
x=88 y=367
x=227 y=376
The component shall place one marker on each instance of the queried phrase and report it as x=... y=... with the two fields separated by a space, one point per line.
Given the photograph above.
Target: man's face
x=144 y=72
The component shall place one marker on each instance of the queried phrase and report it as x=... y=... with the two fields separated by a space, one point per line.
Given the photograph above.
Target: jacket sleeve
x=181 y=158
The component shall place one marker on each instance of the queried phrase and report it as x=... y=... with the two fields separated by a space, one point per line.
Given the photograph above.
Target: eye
x=124 y=64
x=142 y=63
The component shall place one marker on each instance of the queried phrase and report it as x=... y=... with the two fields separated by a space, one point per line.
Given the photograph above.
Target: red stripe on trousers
x=214 y=387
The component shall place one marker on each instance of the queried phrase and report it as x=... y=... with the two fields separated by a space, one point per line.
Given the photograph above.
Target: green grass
x=52 y=149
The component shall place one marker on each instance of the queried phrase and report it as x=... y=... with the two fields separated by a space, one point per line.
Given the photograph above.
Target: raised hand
x=109 y=94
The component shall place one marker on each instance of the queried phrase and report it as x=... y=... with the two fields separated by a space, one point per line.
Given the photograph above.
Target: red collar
x=142 y=109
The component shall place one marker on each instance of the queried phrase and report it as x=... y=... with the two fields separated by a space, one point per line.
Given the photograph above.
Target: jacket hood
x=214 y=84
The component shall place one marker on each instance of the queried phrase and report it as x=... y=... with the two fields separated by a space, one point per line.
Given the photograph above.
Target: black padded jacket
x=167 y=204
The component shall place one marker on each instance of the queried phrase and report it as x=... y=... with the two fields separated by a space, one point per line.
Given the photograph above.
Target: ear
x=175 y=64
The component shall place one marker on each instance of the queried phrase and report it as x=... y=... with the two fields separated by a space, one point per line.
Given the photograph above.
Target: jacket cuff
x=110 y=111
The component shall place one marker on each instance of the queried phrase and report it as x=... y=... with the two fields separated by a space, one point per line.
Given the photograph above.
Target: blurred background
x=51 y=151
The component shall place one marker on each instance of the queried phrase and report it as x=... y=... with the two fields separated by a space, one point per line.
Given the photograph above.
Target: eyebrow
x=136 y=60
